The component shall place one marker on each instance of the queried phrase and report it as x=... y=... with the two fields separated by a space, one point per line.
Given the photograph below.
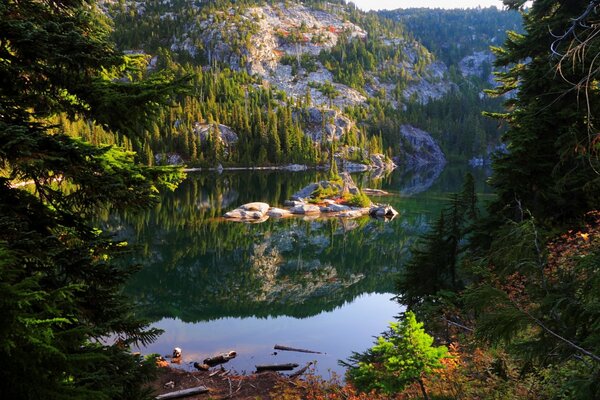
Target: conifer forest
x=416 y=195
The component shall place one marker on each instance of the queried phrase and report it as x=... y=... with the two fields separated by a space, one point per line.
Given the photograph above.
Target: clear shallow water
x=336 y=333
x=324 y=285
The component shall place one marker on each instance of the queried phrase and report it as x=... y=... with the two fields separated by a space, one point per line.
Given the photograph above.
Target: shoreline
x=287 y=167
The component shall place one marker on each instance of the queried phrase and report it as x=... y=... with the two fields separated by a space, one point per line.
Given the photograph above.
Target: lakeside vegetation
x=512 y=294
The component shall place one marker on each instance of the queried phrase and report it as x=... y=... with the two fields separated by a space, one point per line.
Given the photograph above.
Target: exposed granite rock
x=418 y=148
x=348 y=185
x=279 y=213
x=258 y=212
x=334 y=208
x=305 y=209
x=249 y=211
x=383 y=211
x=479 y=64
x=379 y=161
x=432 y=86
x=168 y=159
x=227 y=136
x=319 y=121
x=304 y=193
x=256 y=206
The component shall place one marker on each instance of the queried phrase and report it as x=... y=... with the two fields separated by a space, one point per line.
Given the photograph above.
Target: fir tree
x=59 y=290
x=551 y=166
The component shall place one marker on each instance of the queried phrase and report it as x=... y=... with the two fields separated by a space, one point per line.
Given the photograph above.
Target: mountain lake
x=320 y=284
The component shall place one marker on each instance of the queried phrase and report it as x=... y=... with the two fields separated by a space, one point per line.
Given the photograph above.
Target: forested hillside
x=461 y=39
x=508 y=294
x=275 y=83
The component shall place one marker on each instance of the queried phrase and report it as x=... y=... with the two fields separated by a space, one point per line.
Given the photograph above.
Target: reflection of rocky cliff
x=419 y=179
x=196 y=267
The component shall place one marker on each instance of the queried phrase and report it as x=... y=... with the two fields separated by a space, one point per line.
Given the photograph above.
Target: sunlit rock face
x=419 y=148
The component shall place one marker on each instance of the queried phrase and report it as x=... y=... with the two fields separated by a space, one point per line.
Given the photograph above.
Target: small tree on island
x=403 y=355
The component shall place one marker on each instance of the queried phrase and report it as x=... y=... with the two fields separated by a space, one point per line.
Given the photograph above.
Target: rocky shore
x=339 y=198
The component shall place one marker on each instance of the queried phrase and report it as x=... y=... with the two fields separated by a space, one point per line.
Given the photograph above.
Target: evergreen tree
x=437 y=254
x=551 y=166
x=59 y=290
x=403 y=355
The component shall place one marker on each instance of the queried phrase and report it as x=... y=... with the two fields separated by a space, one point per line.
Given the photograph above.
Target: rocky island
x=338 y=197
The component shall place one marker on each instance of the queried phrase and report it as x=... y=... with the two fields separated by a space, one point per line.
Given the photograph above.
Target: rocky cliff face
x=259 y=38
x=331 y=124
x=478 y=64
x=419 y=147
x=225 y=134
x=280 y=44
x=434 y=87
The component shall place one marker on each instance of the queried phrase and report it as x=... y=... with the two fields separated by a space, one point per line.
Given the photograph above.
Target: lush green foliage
x=59 y=290
x=359 y=200
x=403 y=355
x=551 y=167
x=531 y=291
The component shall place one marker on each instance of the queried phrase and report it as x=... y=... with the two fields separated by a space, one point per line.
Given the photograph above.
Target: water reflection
x=216 y=285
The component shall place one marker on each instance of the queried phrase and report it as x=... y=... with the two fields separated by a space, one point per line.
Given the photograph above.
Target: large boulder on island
x=348 y=185
x=305 y=192
x=383 y=211
x=256 y=206
x=279 y=213
x=305 y=209
x=249 y=211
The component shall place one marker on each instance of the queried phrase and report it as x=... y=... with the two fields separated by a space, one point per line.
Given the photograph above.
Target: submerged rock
x=374 y=192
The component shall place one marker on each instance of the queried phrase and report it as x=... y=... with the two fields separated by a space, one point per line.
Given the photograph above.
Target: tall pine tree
x=59 y=289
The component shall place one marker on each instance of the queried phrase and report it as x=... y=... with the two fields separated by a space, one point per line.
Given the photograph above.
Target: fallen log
x=275 y=367
x=182 y=393
x=301 y=371
x=220 y=359
x=201 y=367
x=374 y=192
x=285 y=348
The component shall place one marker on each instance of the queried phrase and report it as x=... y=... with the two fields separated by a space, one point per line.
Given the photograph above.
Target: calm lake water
x=325 y=285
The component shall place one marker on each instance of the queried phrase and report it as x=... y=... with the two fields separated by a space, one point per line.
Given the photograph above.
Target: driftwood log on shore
x=220 y=359
x=275 y=367
x=183 y=393
x=285 y=348
x=300 y=371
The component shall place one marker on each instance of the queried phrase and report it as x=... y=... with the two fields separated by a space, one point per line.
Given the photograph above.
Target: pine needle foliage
x=402 y=355
x=59 y=283
x=551 y=166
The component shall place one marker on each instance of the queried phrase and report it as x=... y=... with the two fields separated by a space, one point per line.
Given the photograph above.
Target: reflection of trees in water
x=199 y=267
